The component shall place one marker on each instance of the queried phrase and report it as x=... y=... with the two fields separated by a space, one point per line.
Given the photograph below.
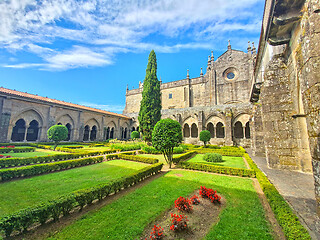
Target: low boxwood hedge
x=138 y=158
x=289 y=222
x=218 y=169
x=11 y=173
x=53 y=210
x=185 y=156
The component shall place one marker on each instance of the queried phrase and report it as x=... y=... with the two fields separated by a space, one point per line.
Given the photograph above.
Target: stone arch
x=247 y=131
x=69 y=127
x=93 y=122
x=186 y=130
x=210 y=128
x=33 y=131
x=93 y=133
x=220 y=130
x=238 y=130
x=65 y=119
x=194 y=130
x=18 y=131
x=28 y=115
x=86 y=133
x=243 y=118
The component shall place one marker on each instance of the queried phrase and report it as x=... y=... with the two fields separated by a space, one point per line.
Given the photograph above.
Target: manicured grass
x=126 y=218
x=160 y=157
x=236 y=162
x=23 y=193
x=37 y=153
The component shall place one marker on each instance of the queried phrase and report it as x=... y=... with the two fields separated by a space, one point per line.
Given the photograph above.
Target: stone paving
x=298 y=190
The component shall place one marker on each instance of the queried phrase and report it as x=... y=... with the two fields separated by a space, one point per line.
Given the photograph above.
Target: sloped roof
x=54 y=101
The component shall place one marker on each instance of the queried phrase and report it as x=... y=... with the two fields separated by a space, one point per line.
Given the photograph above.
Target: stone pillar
x=79 y=127
x=5 y=115
x=228 y=129
x=256 y=131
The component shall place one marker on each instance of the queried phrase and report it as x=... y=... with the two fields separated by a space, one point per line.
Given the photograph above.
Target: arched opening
x=133 y=129
x=121 y=130
x=125 y=133
x=238 y=130
x=112 y=133
x=108 y=133
x=220 y=130
x=68 y=125
x=32 y=132
x=137 y=129
x=247 y=130
x=18 y=131
x=186 y=131
x=93 y=133
x=210 y=128
x=59 y=123
x=194 y=130
x=86 y=133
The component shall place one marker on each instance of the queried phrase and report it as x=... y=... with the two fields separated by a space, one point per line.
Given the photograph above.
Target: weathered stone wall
x=258 y=147
x=14 y=108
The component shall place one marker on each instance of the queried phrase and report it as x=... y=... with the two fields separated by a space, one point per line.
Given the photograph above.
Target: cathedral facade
x=217 y=100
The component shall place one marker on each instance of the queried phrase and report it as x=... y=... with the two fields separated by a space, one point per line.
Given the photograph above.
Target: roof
x=54 y=101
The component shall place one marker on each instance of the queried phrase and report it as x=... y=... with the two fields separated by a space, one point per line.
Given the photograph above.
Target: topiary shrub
x=205 y=137
x=134 y=135
x=57 y=133
x=212 y=157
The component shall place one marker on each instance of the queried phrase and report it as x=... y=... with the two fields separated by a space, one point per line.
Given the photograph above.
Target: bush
x=74 y=147
x=127 y=146
x=210 y=194
x=57 y=133
x=25 y=218
x=156 y=233
x=135 y=134
x=205 y=137
x=138 y=158
x=183 y=204
x=152 y=150
x=195 y=200
x=184 y=156
x=212 y=157
x=241 y=172
x=179 y=222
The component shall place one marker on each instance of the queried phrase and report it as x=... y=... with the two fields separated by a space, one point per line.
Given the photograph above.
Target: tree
x=150 y=105
x=57 y=133
x=205 y=137
x=166 y=135
x=135 y=135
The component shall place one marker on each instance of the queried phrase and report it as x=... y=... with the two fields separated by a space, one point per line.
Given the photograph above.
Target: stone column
x=5 y=115
x=228 y=129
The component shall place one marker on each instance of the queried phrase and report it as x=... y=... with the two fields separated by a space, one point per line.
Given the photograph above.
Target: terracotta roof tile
x=50 y=100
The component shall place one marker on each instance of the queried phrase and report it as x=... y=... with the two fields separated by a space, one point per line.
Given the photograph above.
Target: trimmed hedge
x=17 y=150
x=289 y=222
x=182 y=157
x=152 y=150
x=212 y=157
x=218 y=169
x=11 y=173
x=75 y=147
x=53 y=210
x=138 y=158
x=224 y=152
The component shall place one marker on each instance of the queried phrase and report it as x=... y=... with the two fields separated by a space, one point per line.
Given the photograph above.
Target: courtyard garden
x=116 y=190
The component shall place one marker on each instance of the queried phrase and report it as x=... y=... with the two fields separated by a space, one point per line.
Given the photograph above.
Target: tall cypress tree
x=150 y=105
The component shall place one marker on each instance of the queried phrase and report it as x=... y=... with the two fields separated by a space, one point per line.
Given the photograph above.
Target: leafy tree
x=150 y=105
x=57 y=133
x=205 y=137
x=135 y=135
x=166 y=135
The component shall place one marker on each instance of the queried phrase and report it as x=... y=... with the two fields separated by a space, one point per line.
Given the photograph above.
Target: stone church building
x=266 y=99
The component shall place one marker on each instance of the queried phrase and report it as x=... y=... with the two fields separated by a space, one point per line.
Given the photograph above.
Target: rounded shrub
x=135 y=135
x=212 y=157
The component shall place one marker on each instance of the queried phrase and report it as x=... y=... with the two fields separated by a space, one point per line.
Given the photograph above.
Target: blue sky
x=86 y=52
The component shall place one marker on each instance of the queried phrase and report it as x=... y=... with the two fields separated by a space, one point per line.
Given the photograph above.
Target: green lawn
x=20 y=194
x=236 y=162
x=242 y=218
x=37 y=153
x=160 y=157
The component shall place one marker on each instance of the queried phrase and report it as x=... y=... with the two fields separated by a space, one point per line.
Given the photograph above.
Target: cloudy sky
x=86 y=52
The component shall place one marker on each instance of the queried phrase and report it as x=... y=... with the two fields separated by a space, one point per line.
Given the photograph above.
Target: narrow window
x=170 y=95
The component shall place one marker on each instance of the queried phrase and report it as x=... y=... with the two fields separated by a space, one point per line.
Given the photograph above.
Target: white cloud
x=116 y=25
x=106 y=107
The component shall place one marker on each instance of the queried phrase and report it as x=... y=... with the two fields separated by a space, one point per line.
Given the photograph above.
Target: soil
x=200 y=220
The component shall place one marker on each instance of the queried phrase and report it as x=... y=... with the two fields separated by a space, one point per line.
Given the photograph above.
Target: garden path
x=297 y=188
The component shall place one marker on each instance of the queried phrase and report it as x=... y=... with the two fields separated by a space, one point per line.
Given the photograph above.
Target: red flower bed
x=179 y=222
x=183 y=204
x=209 y=193
x=157 y=232
x=195 y=200
x=2 y=156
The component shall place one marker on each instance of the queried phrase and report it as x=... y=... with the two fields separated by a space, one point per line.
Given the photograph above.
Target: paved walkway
x=298 y=189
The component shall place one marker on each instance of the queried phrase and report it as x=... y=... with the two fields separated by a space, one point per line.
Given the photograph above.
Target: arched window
x=247 y=130
x=186 y=131
x=125 y=133
x=111 y=133
x=68 y=125
x=86 y=133
x=32 y=132
x=194 y=130
x=220 y=130
x=18 y=131
x=93 y=133
x=108 y=133
x=210 y=128
x=238 y=130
